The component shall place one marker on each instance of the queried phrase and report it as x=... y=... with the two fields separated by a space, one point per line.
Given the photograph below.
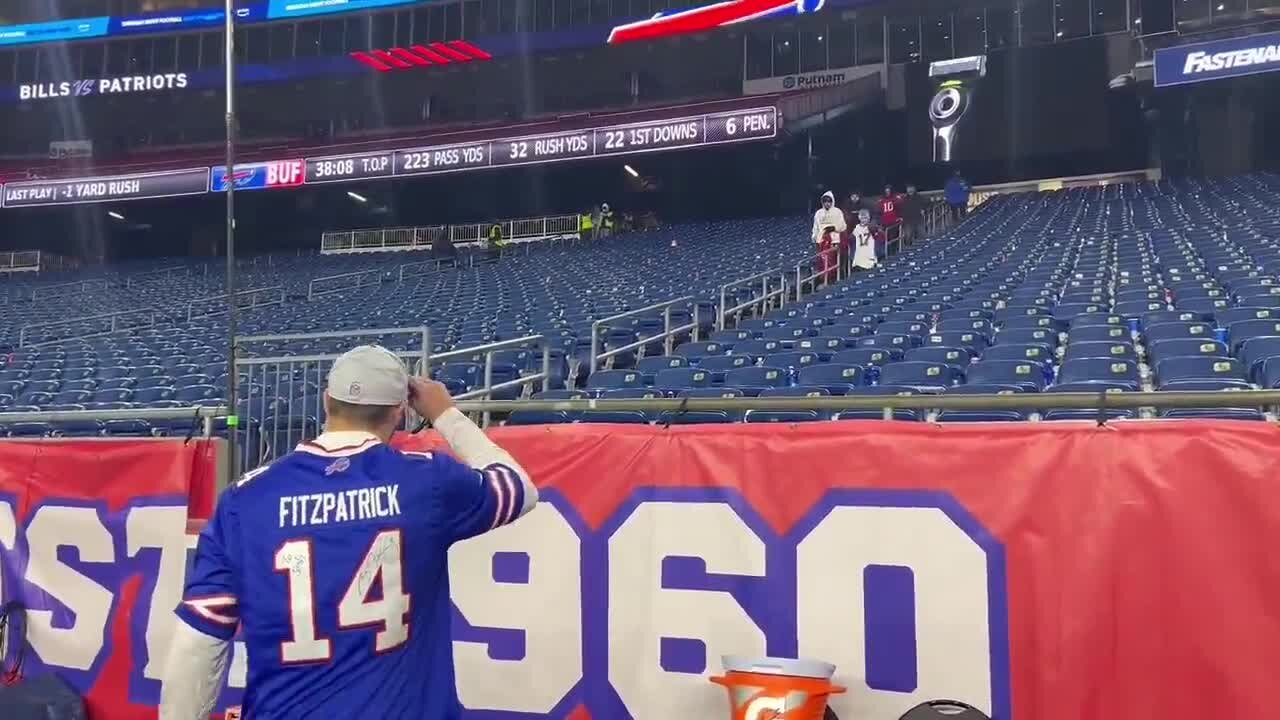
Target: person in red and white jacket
x=828 y=227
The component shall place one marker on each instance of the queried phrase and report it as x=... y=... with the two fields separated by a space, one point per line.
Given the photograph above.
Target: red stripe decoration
x=472 y=50
x=419 y=56
x=431 y=55
x=390 y=59
x=371 y=61
x=413 y=59
x=450 y=52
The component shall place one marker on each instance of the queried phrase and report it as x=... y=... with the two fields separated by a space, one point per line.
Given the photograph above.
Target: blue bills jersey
x=334 y=564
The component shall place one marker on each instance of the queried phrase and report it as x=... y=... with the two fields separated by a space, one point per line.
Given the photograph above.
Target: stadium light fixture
x=631 y=171
x=357 y=197
x=114 y=214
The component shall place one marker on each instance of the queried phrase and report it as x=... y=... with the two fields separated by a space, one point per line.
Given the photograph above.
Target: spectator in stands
x=606 y=220
x=853 y=206
x=864 y=242
x=911 y=207
x=956 y=193
x=442 y=247
x=492 y=243
x=887 y=206
x=828 y=224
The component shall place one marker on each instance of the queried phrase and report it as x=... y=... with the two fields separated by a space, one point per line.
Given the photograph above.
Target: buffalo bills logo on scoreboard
x=1232 y=57
x=260 y=176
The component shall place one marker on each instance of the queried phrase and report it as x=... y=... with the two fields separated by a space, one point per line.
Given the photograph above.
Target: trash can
x=777 y=688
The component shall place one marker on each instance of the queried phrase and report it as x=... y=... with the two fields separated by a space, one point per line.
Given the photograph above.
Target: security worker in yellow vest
x=491 y=246
x=586 y=226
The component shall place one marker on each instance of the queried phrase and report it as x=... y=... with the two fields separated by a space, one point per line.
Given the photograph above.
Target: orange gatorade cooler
x=777 y=688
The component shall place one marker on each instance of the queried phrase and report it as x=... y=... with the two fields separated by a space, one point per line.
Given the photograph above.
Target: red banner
x=1037 y=571
x=93 y=540
x=1138 y=579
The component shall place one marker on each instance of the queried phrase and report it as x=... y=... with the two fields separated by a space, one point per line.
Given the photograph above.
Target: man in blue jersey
x=333 y=561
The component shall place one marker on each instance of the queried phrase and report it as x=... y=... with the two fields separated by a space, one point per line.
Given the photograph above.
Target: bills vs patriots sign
x=1034 y=571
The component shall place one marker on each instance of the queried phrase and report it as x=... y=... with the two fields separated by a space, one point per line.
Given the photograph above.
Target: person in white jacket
x=864 y=242
x=828 y=224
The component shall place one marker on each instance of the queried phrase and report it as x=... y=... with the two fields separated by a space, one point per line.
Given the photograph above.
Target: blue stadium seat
x=1109 y=350
x=683 y=378
x=824 y=346
x=793 y=362
x=649 y=367
x=1024 y=374
x=751 y=380
x=923 y=376
x=1200 y=367
x=697 y=350
x=1027 y=336
x=757 y=349
x=1099 y=333
x=1124 y=372
x=609 y=379
x=836 y=378
x=719 y=365
x=878 y=414
x=956 y=357
x=781 y=416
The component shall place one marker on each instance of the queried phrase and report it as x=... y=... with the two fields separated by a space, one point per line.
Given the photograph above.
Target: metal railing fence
x=282 y=398
x=343 y=281
x=521 y=230
x=667 y=336
x=112 y=322
x=76 y=287
x=770 y=295
x=20 y=261
x=217 y=304
x=159 y=274
x=1099 y=401
x=206 y=416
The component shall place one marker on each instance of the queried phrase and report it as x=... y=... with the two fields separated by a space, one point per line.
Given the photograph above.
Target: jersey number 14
x=383 y=561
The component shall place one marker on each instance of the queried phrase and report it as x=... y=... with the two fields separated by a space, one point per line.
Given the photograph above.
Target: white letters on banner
x=628 y=619
x=548 y=608
x=53 y=527
x=641 y=611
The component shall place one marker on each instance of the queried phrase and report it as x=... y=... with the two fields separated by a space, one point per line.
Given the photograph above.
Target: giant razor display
x=957 y=80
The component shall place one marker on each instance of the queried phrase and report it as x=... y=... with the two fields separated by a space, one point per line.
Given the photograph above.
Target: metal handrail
x=331 y=334
x=163 y=273
x=83 y=285
x=312 y=293
x=488 y=349
x=766 y=296
x=1100 y=401
x=114 y=317
x=254 y=293
x=668 y=332
x=207 y=414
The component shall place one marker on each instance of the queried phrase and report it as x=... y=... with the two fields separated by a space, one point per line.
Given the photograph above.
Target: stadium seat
x=751 y=380
x=930 y=377
x=757 y=349
x=611 y=379
x=1106 y=370
x=683 y=378
x=836 y=378
x=720 y=365
x=1024 y=374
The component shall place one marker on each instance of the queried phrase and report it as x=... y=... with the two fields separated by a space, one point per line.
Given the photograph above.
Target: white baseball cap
x=369 y=375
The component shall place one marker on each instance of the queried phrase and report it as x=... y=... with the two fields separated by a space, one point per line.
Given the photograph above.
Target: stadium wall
x=1038 y=573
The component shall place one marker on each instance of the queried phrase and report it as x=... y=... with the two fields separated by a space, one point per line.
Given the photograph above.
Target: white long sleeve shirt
x=824 y=218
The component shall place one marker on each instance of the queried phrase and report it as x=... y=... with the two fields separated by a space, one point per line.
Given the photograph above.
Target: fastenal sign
x=102 y=86
x=807 y=81
x=1232 y=57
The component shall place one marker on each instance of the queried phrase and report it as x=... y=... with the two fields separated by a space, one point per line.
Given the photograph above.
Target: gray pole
x=233 y=421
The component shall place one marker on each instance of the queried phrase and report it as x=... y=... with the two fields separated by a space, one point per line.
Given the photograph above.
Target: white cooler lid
x=779 y=666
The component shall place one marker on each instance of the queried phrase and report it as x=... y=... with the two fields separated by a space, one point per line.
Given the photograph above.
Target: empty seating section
x=1154 y=286
x=553 y=291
